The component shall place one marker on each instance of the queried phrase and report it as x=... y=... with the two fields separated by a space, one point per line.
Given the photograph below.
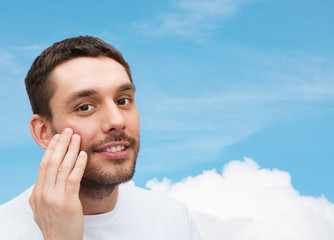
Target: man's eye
x=123 y=101
x=85 y=108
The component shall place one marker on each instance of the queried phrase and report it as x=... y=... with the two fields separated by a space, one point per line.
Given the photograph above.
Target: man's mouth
x=113 y=149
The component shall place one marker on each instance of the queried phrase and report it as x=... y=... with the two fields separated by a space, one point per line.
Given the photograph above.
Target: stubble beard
x=98 y=184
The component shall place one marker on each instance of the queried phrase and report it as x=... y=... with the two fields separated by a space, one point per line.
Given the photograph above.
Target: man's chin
x=94 y=190
x=98 y=182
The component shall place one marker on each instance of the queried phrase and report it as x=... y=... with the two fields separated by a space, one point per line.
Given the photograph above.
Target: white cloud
x=191 y=17
x=247 y=202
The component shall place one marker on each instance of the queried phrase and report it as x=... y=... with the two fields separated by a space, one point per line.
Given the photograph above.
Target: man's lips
x=114 y=150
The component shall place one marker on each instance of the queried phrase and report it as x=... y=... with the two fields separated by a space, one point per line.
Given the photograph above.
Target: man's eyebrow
x=126 y=87
x=80 y=94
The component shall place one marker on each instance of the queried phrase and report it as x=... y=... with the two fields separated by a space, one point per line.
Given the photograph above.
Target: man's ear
x=40 y=130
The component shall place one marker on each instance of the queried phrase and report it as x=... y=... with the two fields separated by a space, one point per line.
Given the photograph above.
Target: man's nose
x=112 y=118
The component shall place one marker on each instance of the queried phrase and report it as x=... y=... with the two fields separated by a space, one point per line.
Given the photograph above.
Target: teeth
x=113 y=149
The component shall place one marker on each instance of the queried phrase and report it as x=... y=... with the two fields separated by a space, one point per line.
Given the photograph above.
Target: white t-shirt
x=138 y=214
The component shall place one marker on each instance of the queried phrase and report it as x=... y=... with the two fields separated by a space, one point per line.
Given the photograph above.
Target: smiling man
x=83 y=99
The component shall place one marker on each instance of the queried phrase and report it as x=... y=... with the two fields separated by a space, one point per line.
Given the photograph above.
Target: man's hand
x=55 y=198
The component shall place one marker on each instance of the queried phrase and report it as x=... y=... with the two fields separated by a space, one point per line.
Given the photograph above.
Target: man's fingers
x=73 y=181
x=68 y=163
x=57 y=157
x=44 y=161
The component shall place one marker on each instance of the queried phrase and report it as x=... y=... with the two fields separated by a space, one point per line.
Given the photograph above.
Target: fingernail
x=67 y=131
x=75 y=137
x=82 y=154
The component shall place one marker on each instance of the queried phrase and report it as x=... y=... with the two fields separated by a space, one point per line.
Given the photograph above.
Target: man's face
x=95 y=97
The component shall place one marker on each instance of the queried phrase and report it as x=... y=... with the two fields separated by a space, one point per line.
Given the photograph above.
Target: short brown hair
x=38 y=85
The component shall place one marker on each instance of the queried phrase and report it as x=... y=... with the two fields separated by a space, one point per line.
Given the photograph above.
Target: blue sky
x=216 y=81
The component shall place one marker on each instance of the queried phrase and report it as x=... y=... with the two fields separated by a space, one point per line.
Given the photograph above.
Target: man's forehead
x=89 y=70
x=87 y=74
x=83 y=65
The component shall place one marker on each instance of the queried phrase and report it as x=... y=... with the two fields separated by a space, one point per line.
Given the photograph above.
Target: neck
x=93 y=206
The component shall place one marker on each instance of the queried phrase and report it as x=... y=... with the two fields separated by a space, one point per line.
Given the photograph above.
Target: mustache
x=112 y=137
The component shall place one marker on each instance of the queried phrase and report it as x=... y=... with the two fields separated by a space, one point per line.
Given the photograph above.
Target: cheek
x=86 y=134
x=133 y=123
x=85 y=131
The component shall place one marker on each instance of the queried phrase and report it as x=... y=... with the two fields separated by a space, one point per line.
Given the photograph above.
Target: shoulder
x=160 y=211
x=16 y=204
x=148 y=199
x=16 y=218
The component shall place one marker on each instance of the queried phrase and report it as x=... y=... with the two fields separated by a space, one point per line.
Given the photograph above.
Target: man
x=83 y=99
